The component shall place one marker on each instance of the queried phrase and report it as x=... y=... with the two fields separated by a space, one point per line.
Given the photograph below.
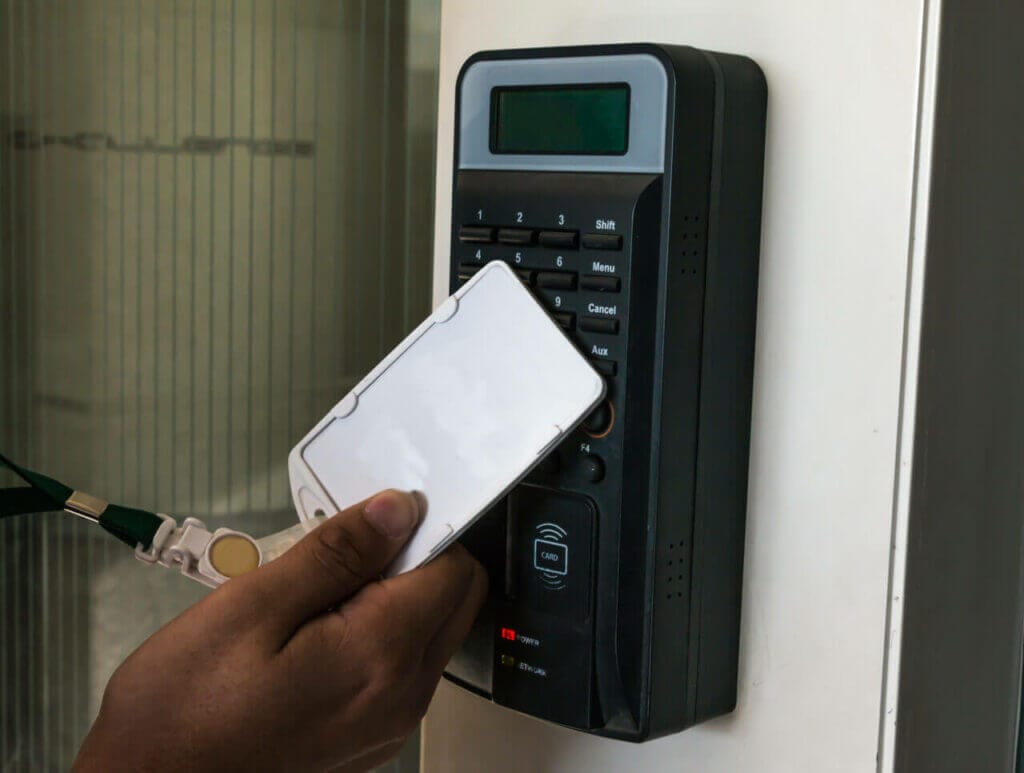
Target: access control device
x=622 y=183
x=460 y=410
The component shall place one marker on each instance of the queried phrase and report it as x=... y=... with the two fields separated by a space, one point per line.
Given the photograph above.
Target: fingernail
x=392 y=514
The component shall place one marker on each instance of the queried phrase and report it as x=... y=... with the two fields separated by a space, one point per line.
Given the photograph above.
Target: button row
x=554 y=280
x=484 y=234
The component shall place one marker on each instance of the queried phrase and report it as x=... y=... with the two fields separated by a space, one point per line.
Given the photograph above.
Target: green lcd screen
x=590 y=119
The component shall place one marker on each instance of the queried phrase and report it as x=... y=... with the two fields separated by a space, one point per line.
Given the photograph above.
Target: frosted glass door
x=214 y=218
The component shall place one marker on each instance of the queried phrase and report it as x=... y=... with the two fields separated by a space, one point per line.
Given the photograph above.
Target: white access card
x=460 y=410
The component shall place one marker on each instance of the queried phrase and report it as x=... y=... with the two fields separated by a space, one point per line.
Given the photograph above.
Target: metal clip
x=85 y=506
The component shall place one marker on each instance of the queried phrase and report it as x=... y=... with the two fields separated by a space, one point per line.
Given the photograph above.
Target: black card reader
x=623 y=184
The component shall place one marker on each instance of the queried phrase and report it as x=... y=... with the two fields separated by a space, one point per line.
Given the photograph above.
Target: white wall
x=843 y=93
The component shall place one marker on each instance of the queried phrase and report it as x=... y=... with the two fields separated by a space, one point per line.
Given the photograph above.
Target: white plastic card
x=460 y=410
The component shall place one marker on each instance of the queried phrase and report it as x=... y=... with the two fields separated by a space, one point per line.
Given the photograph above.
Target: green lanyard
x=43 y=495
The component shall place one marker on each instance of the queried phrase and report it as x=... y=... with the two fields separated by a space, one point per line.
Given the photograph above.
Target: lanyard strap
x=43 y=495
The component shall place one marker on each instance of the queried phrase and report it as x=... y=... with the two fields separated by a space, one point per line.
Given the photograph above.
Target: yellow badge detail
x=233 y=554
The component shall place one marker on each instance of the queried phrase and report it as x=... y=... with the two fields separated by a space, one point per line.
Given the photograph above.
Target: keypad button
x=515 y=236
x=602 y=241
x=601 y=283
x=605 y=367
x=565 y=318
x=608 y=325
x=525 y=274
x=599 y=422
x=466 y=270
x=564 y=239
x=481 y=234
x=556 y=280
x=593 y=468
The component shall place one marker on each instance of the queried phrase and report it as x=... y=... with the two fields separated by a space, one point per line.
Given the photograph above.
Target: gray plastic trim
x=648 y=84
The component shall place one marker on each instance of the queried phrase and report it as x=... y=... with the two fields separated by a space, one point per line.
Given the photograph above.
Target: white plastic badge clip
x=212 y=558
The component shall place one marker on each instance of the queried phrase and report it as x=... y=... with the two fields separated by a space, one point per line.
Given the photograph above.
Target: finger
x=336 y=559
x=457 y=627
x=411 y=608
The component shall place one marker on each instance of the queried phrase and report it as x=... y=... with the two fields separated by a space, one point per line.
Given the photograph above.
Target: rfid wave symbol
x=551 y=555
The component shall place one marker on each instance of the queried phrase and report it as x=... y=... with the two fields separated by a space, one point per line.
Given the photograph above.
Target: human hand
x=307 y=663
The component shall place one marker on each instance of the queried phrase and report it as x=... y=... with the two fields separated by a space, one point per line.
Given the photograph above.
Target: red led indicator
x=508 y=633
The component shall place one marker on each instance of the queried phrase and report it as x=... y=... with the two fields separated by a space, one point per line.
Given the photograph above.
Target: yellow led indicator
x=508 y=660
x=233 y=554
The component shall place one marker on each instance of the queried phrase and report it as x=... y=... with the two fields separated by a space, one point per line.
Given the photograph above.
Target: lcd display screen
x=585 y=119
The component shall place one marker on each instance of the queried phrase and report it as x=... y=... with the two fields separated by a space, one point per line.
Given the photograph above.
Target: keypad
x=554 y=263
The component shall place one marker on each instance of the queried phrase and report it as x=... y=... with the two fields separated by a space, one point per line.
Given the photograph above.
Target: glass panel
x=215 y=217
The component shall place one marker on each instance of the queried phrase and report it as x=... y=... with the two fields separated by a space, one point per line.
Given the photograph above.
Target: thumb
x=336 y=559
